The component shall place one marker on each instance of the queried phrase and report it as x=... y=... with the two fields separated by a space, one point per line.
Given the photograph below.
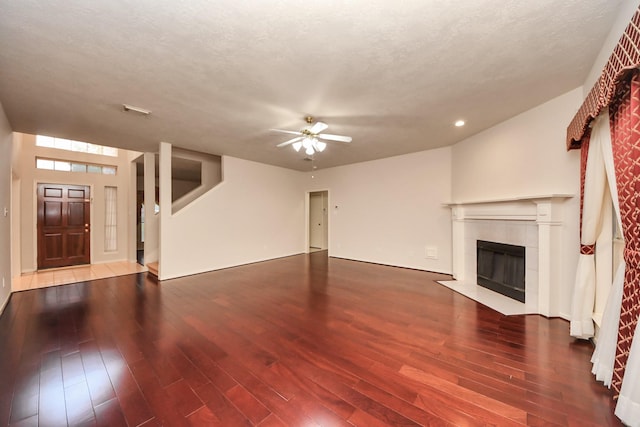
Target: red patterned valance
x=625 y=56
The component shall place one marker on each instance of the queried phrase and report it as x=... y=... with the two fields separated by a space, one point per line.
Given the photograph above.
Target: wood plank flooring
x=298 y=341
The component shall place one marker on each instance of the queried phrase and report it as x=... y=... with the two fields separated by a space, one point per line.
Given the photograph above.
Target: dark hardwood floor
x=298 y=341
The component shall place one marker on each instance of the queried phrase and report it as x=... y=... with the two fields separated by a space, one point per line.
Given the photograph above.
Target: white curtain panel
x=628 y=406
x=581 y=325
x=605 y=353
x=594 y=186
x=604 y=136
x=110 y=219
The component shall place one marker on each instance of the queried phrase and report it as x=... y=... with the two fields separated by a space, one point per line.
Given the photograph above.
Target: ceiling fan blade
x=291 y=141
x=318 y=127
x=292 y=132
x=340 y=138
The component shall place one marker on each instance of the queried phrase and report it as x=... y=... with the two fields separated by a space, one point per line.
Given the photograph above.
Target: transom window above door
x=77 y=146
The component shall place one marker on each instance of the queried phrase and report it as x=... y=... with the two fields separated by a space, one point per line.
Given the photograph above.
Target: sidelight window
x=110 y=219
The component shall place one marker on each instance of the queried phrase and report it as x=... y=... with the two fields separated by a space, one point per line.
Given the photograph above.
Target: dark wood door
x=63 y=225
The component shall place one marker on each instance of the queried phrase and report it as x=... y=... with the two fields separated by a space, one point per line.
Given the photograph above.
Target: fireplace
x=501 y=268
x=535 y=222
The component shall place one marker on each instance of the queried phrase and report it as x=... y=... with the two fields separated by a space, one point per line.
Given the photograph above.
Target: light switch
x=6 y=211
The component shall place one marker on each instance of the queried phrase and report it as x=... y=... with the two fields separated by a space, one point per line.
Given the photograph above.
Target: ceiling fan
x=310 y=137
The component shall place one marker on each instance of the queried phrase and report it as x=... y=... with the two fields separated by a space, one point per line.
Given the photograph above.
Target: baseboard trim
x=448 y=273
x=225 y=267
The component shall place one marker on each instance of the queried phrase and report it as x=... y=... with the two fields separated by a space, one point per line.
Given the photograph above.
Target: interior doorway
x=63 y=225
x=140 y=214
x=318 y=221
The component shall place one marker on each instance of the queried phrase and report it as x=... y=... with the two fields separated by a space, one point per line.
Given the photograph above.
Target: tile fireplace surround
x=535 y=222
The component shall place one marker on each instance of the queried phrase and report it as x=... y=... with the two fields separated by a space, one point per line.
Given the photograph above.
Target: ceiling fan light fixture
x=311 y=137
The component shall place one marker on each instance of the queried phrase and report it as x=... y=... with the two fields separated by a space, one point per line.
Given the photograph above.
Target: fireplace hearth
x=501 y=268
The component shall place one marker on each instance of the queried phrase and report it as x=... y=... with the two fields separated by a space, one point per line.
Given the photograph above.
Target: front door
x=63 y=225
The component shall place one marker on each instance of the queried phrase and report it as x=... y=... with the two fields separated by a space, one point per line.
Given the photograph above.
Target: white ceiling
x=218 y=75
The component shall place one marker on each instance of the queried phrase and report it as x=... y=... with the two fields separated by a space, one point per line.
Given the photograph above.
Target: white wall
x=15 y=229
x=526 y=155
x=16 y=214
x=5 y=202
x=255 y=214
x=389 y=210
x=151 y=219
x=30 y=177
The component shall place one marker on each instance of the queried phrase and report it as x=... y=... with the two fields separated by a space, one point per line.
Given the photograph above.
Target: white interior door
x=316 y=220
x=325 y=220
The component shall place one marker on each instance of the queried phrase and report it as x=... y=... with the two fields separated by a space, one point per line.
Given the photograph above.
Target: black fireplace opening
x=501 y=268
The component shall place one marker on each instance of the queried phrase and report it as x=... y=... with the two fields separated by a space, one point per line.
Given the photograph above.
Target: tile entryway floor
x=63 y=276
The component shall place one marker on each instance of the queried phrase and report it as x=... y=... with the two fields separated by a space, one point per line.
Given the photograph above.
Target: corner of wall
x=390 y=211
x=165 y=204
x=6 y=159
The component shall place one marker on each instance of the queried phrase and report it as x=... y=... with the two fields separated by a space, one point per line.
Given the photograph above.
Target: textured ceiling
x=218 y=75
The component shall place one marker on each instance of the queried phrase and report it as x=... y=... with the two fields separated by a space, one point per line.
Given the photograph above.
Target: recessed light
x=459 y=123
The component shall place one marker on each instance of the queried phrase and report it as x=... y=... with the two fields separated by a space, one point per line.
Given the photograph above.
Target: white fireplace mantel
x=545 y=212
